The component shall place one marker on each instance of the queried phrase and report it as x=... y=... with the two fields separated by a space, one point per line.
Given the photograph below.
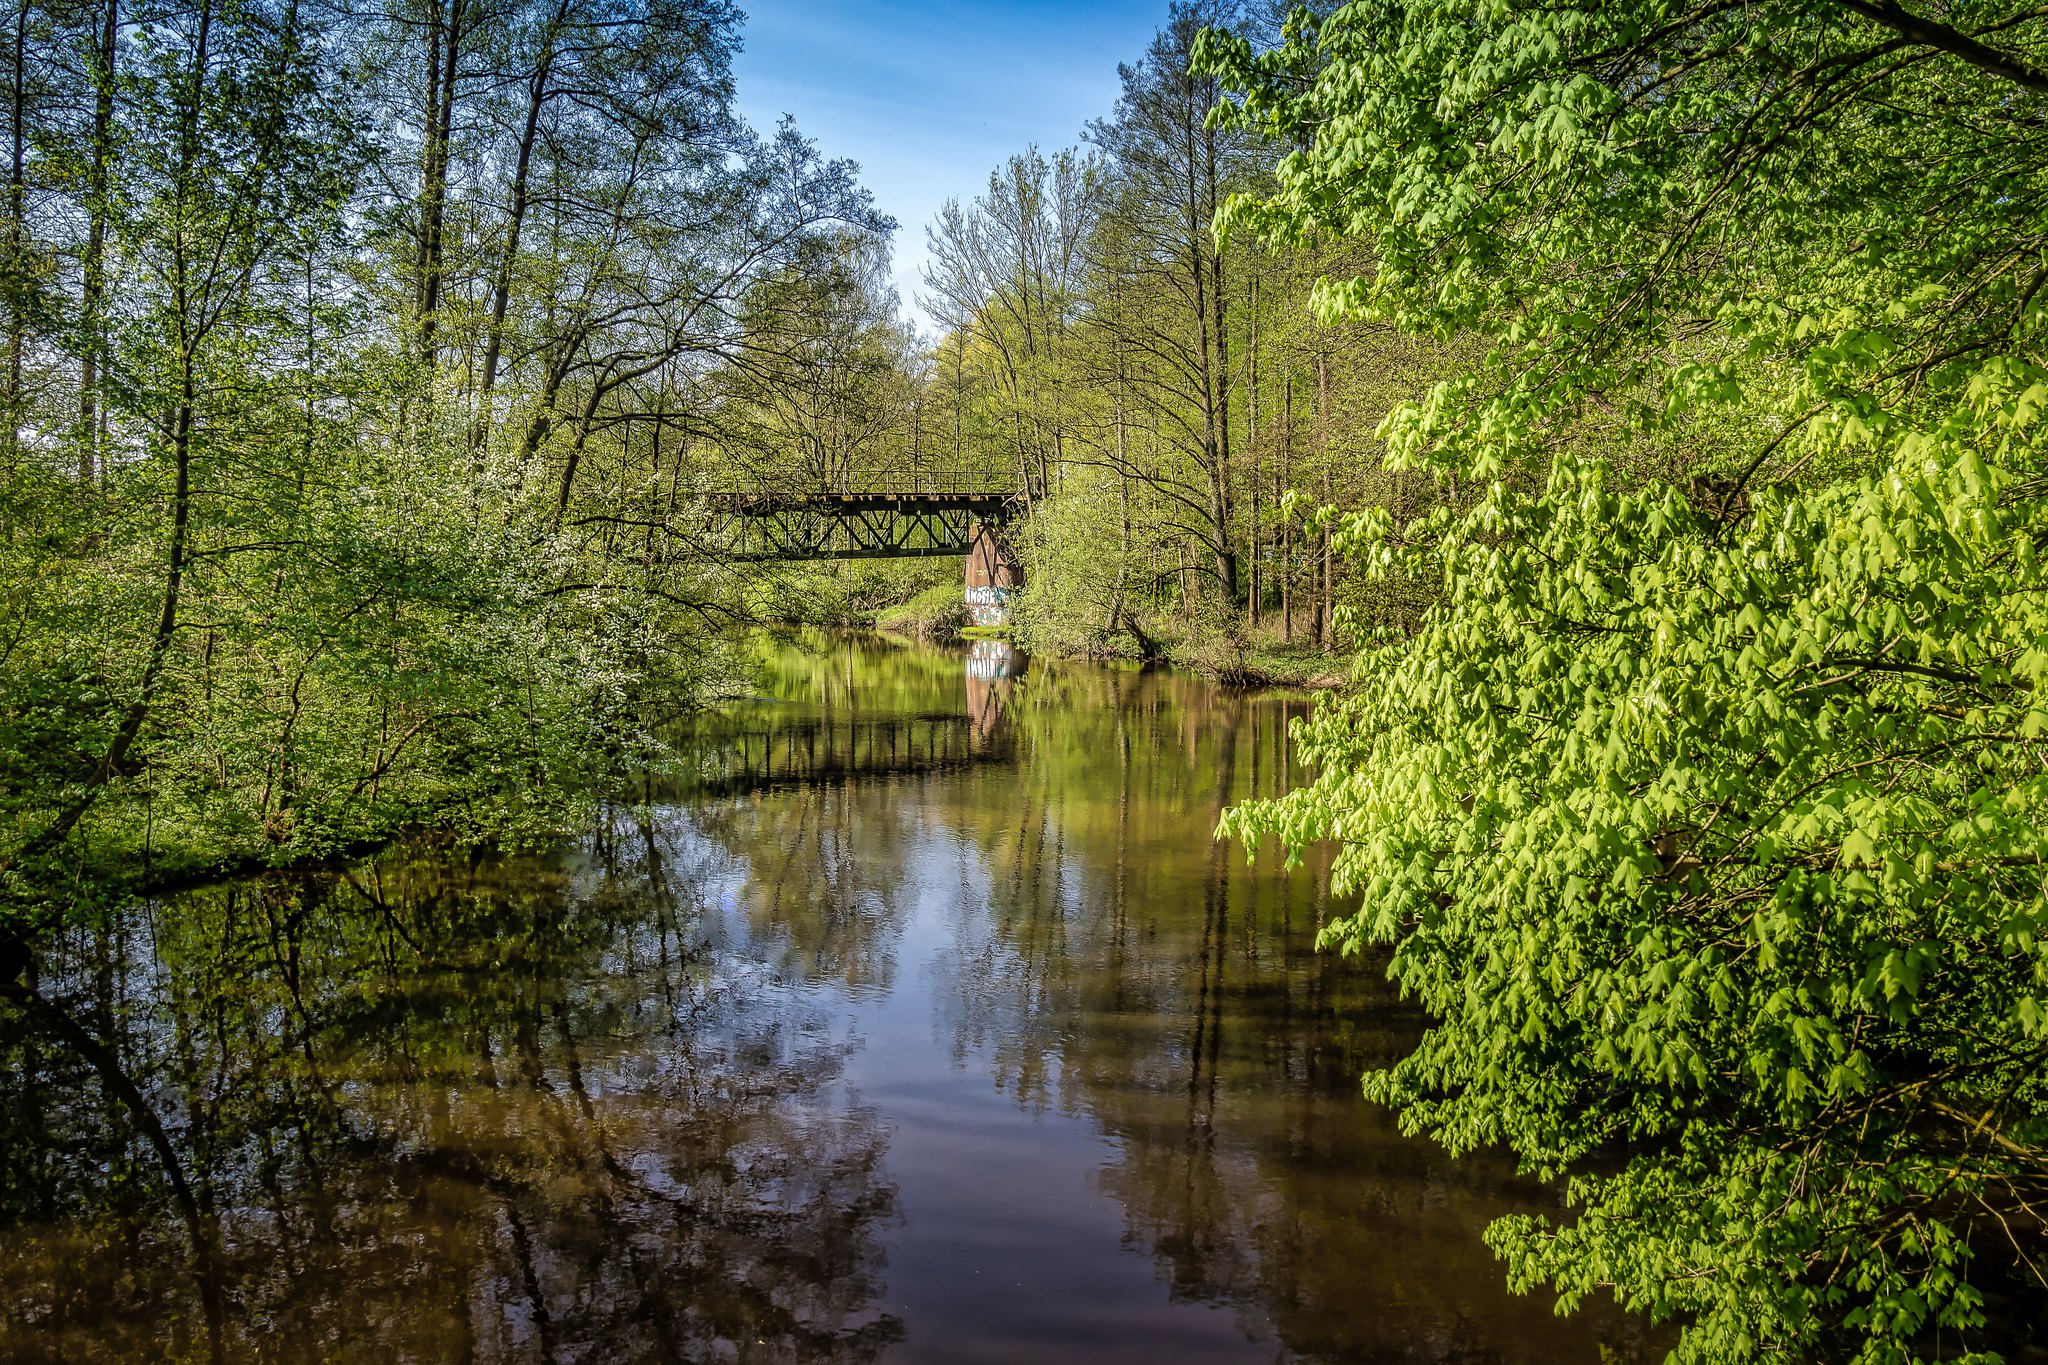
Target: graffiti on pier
x=993 y=577
x=989 y=606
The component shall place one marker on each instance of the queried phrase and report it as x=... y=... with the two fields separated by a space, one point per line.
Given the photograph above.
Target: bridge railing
x=941 y=475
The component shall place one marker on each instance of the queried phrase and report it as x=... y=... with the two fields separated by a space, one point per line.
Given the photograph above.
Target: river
x=921 y=1020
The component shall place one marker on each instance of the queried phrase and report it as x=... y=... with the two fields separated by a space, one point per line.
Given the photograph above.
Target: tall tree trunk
x=179 y=422
x=1205 y=275
x=430 y=112
x=92 y=297
x=17 y=215
x=515 y=222
x=1252 y=431
x=1285 y=477
x=434 y=186
x=598 y=389
x=1123 y=500
x=1206 y=364
x=1326 y=611
x=1226 y=554
x=138 y=709
x=543 y=421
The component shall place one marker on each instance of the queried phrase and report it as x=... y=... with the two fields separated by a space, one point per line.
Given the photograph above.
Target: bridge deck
x=988 y=506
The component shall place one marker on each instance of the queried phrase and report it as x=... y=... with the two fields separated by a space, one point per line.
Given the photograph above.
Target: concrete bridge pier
x=993 y=576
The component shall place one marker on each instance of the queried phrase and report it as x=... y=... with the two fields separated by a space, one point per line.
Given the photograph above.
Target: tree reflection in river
x=1089 y=949
x=927 y=1021
x=1150 y=980
x=438 y=1111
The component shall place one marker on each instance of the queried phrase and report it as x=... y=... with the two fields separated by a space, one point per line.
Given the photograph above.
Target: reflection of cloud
x=815 y=898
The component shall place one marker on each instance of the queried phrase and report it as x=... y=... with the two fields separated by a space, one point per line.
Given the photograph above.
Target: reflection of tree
x=865 y=674
x=842 y=710
x=825 y=869
x=819 y=876
x=446 y=1111
x=1121 y=965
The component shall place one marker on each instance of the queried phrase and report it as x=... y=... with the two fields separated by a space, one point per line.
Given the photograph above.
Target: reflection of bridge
x=824 y=749
x=752 y=750
x=799 y=525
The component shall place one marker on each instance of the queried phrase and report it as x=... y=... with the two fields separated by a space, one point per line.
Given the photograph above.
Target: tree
x=1007 y=272
x=369 y=366
x=1171 y=168
x=1703 y=809
x=826 y=393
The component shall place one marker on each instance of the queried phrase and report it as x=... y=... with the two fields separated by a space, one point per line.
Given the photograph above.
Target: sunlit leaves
x=1705 y=810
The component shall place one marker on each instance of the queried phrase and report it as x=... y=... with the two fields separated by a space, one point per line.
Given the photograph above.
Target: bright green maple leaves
x=1708 y=807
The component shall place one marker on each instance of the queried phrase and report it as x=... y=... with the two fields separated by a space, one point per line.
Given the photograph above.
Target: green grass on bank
x=937 y=613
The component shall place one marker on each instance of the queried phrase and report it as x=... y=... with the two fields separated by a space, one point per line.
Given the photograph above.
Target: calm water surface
x=923 y=1022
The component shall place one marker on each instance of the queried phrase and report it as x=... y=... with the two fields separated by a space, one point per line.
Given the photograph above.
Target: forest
x=1630 y=410
x=357 y=365
x=367 y=373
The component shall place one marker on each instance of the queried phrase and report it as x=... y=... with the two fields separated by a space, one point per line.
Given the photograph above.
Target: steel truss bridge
x=805 y=525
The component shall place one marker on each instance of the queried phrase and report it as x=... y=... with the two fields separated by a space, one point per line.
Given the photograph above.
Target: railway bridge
x=807 y=525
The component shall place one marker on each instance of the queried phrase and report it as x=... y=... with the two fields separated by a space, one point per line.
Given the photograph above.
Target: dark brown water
x=925 y=1022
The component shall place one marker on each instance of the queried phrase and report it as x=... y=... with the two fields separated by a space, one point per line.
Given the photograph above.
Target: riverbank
x=1231 y=653
x=1232 y=657
x=925 y=600
x=113 y=881
x=1258 y=660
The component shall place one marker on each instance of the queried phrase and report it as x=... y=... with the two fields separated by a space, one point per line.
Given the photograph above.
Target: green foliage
x=354 y=478
x=839 y=593
x=1159 y=391
x=1728 y=849
x=1704 y=805
x=1081 y=567
x=937 y=613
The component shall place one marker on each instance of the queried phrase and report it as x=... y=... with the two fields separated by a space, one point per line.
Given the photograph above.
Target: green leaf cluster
x=1705 y=807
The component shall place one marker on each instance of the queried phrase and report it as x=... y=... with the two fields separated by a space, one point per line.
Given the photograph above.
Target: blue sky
x=929 y=98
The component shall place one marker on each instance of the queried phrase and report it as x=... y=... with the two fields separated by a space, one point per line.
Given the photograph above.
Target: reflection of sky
x=1010 y=1240
x=929 y=97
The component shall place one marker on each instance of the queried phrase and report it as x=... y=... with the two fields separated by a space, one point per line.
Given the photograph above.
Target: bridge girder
x=799 y=526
